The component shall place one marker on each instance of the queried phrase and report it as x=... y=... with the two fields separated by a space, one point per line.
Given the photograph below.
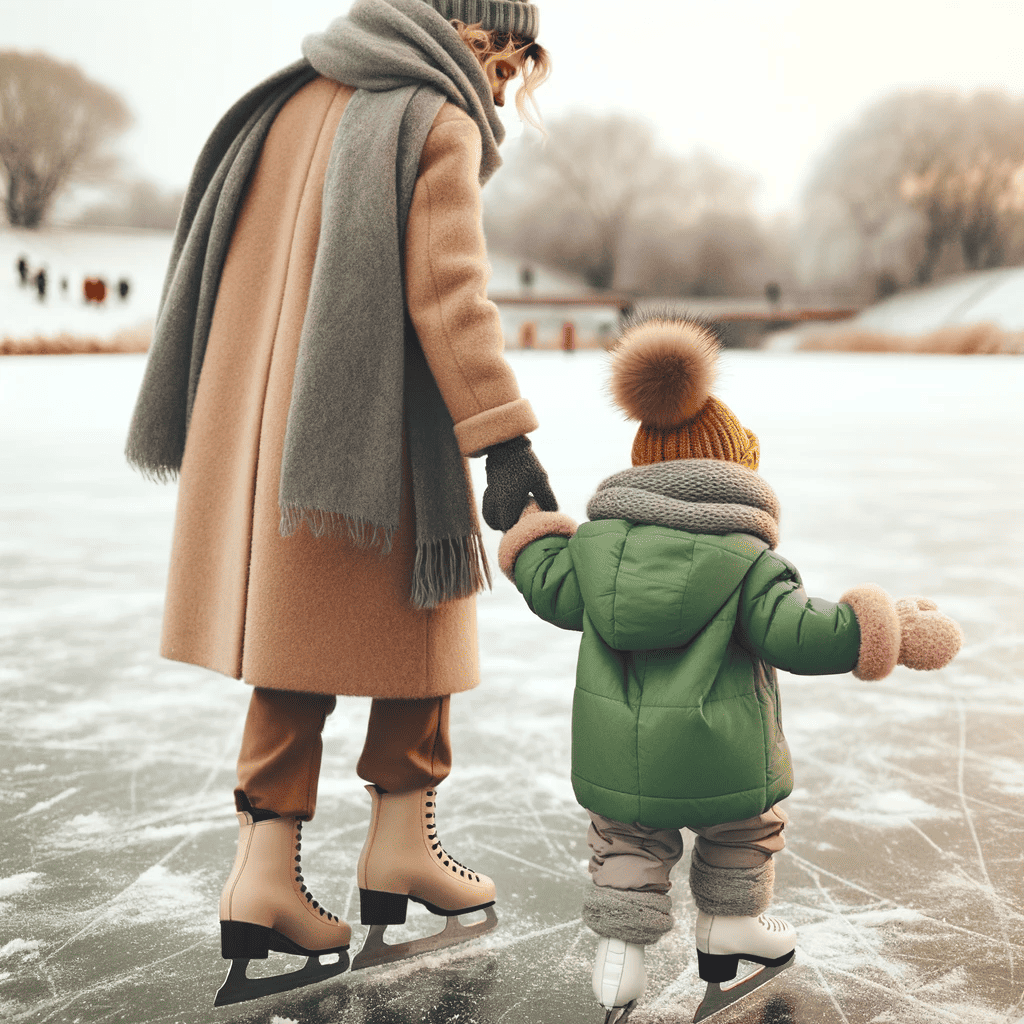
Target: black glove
x=513 y=473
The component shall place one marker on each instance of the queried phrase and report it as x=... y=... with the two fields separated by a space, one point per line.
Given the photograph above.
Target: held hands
x=928 y=639
x=533 y=524
x=513 y=474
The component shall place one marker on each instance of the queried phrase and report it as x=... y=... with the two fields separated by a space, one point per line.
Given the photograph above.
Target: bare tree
x=573 y=194
x=54 y=126
x=598 y=197
x=990 y=179
x=135 y=204
x=923 y=179
x=715 y=254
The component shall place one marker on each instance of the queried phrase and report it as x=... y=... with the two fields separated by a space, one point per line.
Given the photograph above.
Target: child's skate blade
x=239 y=988
x=376 y=951
x=618 y=1014
x=718 y=997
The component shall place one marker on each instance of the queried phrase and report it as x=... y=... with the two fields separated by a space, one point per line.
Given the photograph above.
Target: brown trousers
x=407 y=747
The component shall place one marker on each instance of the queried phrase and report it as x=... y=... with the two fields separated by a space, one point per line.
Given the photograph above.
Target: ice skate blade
x=239 y=988
x=618 y=1014
x=376 y=951
x=718 y=997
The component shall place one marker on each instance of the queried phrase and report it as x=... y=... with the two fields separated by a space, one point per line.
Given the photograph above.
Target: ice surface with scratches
x=904 y=865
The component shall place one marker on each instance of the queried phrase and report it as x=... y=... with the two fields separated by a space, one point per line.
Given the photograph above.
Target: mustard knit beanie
x=662 y=372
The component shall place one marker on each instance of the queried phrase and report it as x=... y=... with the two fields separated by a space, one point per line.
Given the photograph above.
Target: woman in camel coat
x=304 y=617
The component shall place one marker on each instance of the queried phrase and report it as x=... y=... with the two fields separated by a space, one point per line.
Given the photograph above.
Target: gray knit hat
x=514 y=16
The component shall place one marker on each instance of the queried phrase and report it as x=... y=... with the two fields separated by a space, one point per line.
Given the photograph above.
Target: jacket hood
x=649 y=587
x=667 y=546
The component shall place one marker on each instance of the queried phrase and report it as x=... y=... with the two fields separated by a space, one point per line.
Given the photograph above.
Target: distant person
x=686 y=612
x=319 y=404
x=41 y=284
x=94 y=289
x=64 y=285
x=22 y=266
x=123 y=288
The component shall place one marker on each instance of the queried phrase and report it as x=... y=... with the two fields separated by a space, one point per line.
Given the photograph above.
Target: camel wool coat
x=308 y=614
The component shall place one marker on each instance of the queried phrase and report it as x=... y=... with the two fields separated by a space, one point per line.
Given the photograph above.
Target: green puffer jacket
x=676 y=714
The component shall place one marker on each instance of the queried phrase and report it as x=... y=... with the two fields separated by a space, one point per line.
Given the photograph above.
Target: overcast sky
x=764 y=86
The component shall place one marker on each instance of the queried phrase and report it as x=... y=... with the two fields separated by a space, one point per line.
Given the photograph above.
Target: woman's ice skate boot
x=265 y=905
x=619 y=977
x=723 y=941
x=402 y=860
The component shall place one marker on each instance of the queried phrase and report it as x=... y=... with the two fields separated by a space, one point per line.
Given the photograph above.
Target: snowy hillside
x=990 y=296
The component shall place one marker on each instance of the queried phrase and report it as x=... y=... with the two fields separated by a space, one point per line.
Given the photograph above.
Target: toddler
x=686 y=612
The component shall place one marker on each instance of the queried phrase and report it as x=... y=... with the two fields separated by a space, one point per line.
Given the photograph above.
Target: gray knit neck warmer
x=697 y=495
x=340 y=472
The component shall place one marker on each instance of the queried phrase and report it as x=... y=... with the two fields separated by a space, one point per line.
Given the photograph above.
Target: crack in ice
x=229 y=744
x=989 y=887
x=529 y=863
x=828 y=989
x=107 y=985
x=867 y=982
x=809 y=866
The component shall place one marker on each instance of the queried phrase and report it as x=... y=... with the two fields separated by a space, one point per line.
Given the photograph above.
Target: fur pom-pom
x=663 y=369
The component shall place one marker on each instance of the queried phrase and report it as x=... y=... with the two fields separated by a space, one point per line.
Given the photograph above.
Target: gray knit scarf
x=340 y=473
x=696 y=495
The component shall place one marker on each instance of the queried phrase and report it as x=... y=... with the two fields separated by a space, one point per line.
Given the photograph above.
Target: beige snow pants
x=639 y=858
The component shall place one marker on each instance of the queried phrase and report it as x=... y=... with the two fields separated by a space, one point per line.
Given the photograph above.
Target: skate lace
x=446 y=858
x=298 y=876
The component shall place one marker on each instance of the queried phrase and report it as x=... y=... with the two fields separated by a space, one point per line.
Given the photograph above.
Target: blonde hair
x=491 y=46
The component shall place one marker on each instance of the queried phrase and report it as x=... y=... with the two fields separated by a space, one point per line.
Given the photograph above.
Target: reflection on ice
x=903 y=869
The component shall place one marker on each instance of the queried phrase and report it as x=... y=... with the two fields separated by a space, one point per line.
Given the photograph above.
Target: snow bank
x=71 y=255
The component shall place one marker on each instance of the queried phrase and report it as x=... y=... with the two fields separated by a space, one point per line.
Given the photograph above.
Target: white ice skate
x=619 y=977
x=723 y=941
x=403 y=859
x=265 y=905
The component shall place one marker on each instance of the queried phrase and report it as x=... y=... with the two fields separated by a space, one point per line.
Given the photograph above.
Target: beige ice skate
x=722 y=941
x=265 y=905
x=403 y=859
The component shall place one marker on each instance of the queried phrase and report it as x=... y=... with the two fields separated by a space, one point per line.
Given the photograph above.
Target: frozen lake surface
x=904 y=866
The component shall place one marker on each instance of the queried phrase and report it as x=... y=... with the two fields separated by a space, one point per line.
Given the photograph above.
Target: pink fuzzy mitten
x=928 y=639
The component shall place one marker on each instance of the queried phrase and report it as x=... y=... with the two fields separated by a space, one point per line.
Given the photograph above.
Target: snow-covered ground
x=904 y=864
x=141 y=258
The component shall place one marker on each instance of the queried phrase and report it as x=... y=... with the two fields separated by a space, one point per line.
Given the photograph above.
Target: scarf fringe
x=154 y=474
x=449 y=569
x=320 y=523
